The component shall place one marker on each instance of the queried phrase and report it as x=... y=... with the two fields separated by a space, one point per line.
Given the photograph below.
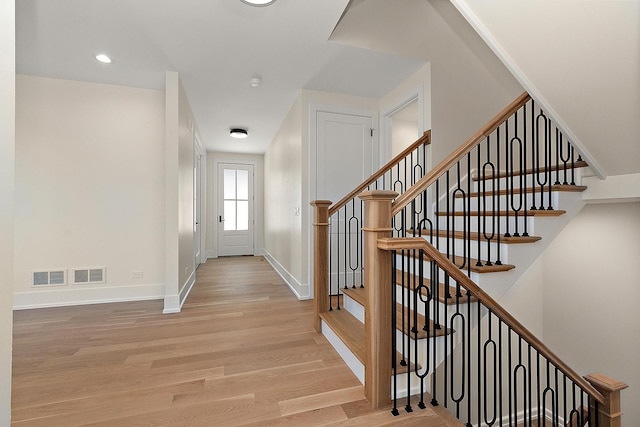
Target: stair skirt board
x=349 y=358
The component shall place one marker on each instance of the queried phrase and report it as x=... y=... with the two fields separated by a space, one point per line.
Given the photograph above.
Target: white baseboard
x=171 y=304
x=69 y=295
x=302 y=291
x=186 y=289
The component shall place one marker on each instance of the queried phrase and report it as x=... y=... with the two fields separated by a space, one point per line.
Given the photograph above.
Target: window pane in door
x=243 y=184
x=243 y=215
x=229 y=184
x=229 y=215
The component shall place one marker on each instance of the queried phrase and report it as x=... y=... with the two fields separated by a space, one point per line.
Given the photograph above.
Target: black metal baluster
x=535 y=141
x=524 y=162
x=394 y=350
x=549 y=167
x=331 y=265
x=481 y=183
x=510 y=364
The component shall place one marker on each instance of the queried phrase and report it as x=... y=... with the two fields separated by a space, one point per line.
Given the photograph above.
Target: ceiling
x=216 y=46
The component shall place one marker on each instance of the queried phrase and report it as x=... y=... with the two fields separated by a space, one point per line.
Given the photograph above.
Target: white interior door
x=344 y=153
x=345 y=158
x=235 y=209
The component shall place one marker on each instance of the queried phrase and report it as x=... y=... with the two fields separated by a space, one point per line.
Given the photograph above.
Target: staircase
x=406 y=284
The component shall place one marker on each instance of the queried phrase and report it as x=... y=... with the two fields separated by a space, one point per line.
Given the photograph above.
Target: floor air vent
x=83 y=276
x=49 y=278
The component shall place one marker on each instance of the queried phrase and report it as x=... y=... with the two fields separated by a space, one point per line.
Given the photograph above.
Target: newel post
x=320 y=260
x=377 y=279
x=609 y=414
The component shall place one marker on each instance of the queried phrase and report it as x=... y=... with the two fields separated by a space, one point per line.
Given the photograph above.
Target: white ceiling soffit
x=216 y=46
x=579 y=58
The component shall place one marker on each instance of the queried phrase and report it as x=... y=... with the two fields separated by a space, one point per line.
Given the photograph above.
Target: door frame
x=200 y=156
x=213 y=216
x=414 y=95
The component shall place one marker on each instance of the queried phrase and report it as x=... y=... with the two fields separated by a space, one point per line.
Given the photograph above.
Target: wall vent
x=84 y=276
x=49 y=278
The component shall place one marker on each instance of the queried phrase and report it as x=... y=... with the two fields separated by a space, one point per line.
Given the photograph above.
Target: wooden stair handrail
x=405 y=198
x=419 y=243
x=424 y=139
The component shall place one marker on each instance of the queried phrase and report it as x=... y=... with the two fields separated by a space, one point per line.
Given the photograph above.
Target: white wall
x=283 y=187
x=180 y=132
x=7 y=155
x=290 y=183
x=89 y=189
x=213 y=159
x=591 y=295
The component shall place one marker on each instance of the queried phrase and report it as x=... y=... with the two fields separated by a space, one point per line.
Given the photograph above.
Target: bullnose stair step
x=476 y=266
x=476 y=236
x=520 y=214
x=359 y=295
x=565 y=188
x=351 y=331
x=553 y=168
x=410 y=279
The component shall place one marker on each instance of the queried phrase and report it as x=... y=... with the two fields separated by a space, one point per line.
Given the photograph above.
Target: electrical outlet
x=137 y=275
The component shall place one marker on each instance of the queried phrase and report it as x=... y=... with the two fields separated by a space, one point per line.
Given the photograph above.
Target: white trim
x=201 y=158
x=186 y=288
x=613 y=189
x=171 y=304
x=83 y=296
x=301 y=291
x=511 y=65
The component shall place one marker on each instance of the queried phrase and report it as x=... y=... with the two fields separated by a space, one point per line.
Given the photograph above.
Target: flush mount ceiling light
x=103 y=58
x=239 y=133
x=258 y=2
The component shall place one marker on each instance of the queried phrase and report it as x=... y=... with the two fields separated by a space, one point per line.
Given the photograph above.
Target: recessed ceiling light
x=258 y=2
x=103 y=58
x=239 y=133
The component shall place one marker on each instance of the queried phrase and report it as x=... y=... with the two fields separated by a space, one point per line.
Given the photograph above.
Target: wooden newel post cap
x=605 y=383
x=378 y=194
x=320 y=203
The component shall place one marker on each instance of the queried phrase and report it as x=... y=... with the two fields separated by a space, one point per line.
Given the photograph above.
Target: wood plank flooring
x=241 y=352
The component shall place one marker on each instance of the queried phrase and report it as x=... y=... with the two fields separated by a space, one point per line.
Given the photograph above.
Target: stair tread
x=475 y=236
x=553 y=168
x=530 y=212
x=357 y=294
x=360 y=296
x=351 y=332
x=494 y=268
x=565 y=188
x=442 y=291
x=349 y=329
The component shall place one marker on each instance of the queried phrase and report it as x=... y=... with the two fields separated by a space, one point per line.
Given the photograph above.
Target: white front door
x=235 y=209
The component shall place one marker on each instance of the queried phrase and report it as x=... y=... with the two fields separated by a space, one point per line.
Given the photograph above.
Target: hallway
x=241 y=352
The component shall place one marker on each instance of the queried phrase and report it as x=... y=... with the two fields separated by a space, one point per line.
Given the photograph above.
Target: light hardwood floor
x=241 y=352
